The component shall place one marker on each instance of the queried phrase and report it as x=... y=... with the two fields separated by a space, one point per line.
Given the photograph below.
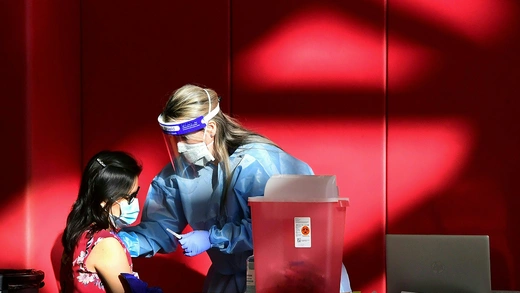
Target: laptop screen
x=437 y=263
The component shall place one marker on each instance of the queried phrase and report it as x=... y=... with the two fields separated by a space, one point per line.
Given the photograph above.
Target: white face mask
x=196 y=153
x=129 y=213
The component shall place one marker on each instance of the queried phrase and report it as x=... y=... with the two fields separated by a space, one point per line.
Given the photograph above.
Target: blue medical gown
x=174 y=202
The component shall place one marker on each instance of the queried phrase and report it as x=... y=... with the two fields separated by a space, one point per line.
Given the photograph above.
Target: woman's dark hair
x=108 y=176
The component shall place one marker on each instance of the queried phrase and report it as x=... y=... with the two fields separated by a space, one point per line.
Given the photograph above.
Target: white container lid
x=300 y=188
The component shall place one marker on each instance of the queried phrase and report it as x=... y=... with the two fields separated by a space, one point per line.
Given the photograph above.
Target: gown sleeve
x=162 y=209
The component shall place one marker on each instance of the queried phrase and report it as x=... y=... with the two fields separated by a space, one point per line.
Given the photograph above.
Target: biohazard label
x=302 y=232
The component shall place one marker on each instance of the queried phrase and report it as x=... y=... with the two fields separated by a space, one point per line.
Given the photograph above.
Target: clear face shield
x=185 y=141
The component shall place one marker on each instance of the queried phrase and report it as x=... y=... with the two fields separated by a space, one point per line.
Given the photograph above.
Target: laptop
x=437 y=263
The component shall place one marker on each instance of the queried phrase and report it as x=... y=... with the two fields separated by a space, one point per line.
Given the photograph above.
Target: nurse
x=216 y=165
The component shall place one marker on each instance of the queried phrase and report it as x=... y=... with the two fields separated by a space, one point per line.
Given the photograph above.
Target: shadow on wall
x=160 y=271
x=56 y=251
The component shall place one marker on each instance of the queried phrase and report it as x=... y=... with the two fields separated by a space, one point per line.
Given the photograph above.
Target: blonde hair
x=191 y=101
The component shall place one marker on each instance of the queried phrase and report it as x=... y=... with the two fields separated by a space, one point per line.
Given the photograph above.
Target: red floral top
x=74 y=275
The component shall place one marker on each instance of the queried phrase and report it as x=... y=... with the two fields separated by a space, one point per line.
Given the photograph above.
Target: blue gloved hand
x=195 y=242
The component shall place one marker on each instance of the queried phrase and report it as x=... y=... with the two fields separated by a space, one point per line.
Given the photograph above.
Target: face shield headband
x=189 y=126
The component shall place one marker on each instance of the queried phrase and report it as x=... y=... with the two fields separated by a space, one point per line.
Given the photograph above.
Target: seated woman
x=94 y=256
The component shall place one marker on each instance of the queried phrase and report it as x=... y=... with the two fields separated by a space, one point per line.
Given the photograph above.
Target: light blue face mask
x=129 y=213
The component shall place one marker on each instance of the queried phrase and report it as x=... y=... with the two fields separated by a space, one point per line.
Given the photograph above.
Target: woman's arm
x=162 y=209
x=109 y=260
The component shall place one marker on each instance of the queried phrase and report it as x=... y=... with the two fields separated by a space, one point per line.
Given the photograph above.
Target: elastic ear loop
x=209 y=100
x=209 y=110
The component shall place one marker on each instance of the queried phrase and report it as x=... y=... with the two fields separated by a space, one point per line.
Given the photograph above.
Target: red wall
x=410 y=103
x=41 y=126
x=453 y=133
x=310 y=76
x=13 y=113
